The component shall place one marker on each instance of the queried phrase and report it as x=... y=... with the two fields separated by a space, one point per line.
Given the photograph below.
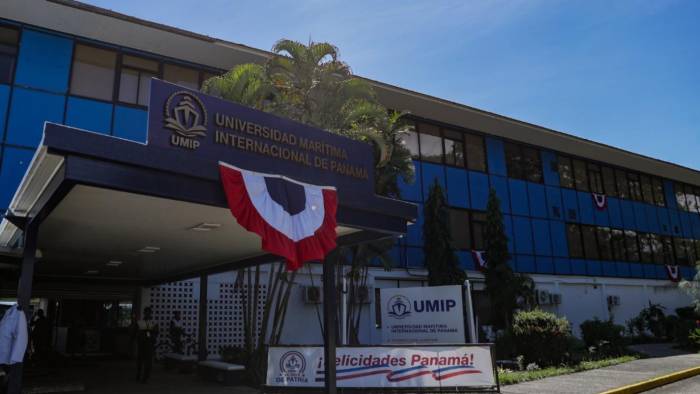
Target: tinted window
x=573 y=234
x=93 y=72
x=681 y=253
x=690 y=249
x=622 y=186
x=645 y=248
x=514 y=161
x=604 y=243
x=460 y=229
x=135 y=79
x=690 y=200
x=8 y=53
x=182 y=76
x=657 y=248
x=532 y=164
x=454 y=148
x=680 y=195
x=658 y=186
x=635 y=187
x=580 y=177
x=590 y=245
x=647 y=189
x=410 y=141
x=430 y=143
x=478 y=223
x=609 y=181
x=476 y=154
x=566 y=174
x=631 y=245
x=617 y=241
x=667 y=249
x=595 y=178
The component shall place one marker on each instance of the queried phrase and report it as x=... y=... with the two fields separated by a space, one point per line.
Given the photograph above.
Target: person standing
x=41 y=337
x=176 y=332
x=146 y=334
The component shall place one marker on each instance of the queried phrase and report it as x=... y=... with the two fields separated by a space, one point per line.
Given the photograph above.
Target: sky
x=623 y=73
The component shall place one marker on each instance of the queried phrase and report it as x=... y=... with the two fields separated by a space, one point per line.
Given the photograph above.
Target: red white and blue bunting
x=673 y=273
x=305 y=234
x=600 y=201
x=479 y=257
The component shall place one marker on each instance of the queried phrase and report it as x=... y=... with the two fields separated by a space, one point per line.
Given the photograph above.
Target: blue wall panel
x=578 y=267
x=525 y=263
x=545 y=265
x=538 y=202
x=500 y=185
x=570 y=205
x=649 y=271
x=89 y=115
x=652 y=218
x=549 y=168
x=466 y=262
x=670 y=196
x=609 y=268
x=615 y=212
x=543 y=243
x=518 y=197
x=640 y=216
x=695 y=223
x=555 y=209
x=622 y=268
x=415 y=258
x=14 y=165
x=29 y=110
x=560 y=245
x=4 y=102
x=44 y=61
x=636 y=270
x=594 y=267
x=457 y=189
x=664 y=221
x=686 y=226
x=628 y=214
x=675 y=222
x=562 y=266
x=522 y=230
x=585 y=206
x=687 y=272
x=495 y=156
x=431 y=173
x=412 y=192
x=414 y=232
x=508 y=227
x=478 y=190
x=130 y=123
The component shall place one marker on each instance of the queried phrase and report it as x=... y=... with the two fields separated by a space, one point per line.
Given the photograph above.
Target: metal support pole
x=203 y=316
x=329 y=321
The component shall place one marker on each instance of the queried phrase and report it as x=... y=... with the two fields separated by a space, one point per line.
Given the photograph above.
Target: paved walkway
x=598 y=380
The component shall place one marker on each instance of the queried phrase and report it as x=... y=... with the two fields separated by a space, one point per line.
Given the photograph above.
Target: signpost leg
x=329 y=322
x=203 y=316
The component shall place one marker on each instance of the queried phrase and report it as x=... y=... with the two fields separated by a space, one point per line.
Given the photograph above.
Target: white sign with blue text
x=422 y=315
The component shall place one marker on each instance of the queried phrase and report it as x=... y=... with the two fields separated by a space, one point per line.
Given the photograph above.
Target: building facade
x=66 y=62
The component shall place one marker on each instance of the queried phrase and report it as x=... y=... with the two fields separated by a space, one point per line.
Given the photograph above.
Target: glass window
x=595 y=178
x=691 y=249
x=690 y=200
x=573 y=235
x=566 y=174
x=631 y=245
x=681 y=253
x=532 y=164
x=459 y=229
x=514 y=161
x=622 y=186
x=580 y=177
x=635 y=186
x=93 y=72
x=430 y=143
x=8 y=53
x=478 y=223
x=609 y=181
x=590 y=245
x=410 y=141
x=604 y=243
x=667 y=249
x=647 y=190
x=617 y=241
x=659 y=197
x=182 y=76
x=680 y=195
x=454 y=148
x=657 y=248
x=135 y=79
x=645 y=248
x=476 y=154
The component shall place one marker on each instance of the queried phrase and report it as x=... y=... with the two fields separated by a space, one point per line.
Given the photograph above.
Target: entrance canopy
x=114 y=209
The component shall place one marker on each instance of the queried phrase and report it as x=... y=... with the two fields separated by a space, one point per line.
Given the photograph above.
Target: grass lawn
x=511 y=377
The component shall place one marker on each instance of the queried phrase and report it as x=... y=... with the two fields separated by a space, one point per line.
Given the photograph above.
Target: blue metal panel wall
x=522 y=230
x=695 y=223
x=14 y=164
x=555 y=209
x=668 y=193
x=508 y=227
x=560 y=246
x=562 y=266
x=495 y=156
x=500 y=185
x=540 y=230
x=414 y=233
x=652 y=219
x=525 y=263
x=585 y=206
x=538 y=202
x=4 y=102
x=570 y=205
x=549 y=168
x=640 y=215
x=615 y=212
x=130 y=123
x=478 y=189
x=518 y=197
x=457 y=189
x=431 y=173
x=44 y=61
x=675 y=222
x=545 y=265
x=628 y=214
x=664 y=221
x=686 y=226
x=29 y=110
x=412 y=192
x=89 y=115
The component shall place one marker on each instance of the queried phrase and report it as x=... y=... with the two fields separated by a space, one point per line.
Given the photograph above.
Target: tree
x=506 y=289
x=692 y=287
x=440 y=258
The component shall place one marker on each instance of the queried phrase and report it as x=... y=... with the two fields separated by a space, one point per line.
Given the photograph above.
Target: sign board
x=207 y=128
x=385 y=367
x=422 y=315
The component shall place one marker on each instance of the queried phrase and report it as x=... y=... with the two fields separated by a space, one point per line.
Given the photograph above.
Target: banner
x=388 y=367
x=422 y=315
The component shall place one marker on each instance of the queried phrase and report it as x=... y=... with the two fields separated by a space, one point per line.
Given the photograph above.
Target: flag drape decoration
x=299 y=225
x=673 y=273
x=479 y=257
x=600 y=201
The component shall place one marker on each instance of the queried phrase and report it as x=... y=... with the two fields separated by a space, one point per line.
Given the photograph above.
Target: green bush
x=541 y=337
x=650 y=320
x=604 y=338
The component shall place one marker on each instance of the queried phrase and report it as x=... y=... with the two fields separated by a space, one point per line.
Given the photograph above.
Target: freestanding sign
x=422 y=315
x=457 y=366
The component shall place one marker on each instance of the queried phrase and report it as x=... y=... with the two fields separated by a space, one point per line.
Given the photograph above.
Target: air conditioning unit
x=543 y=297
x=313 y=295
x=556 y=299
x=361 y=295
x=613 y=300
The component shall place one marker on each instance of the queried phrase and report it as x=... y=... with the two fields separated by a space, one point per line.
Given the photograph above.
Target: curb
x=658 y=381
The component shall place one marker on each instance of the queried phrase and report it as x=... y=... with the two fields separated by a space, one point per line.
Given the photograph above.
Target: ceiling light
x=205 y=227
x=149 y=249
x=114 y=263
x=92 y=272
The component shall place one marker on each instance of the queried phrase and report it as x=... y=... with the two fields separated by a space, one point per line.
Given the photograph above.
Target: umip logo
x=186 y=116
x=293 y=363
x=399 y=307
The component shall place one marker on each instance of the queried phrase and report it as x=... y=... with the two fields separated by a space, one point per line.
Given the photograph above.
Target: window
x=430 y=143
x=514 y=161
x=566 y=174
x=595 y=177
x=646 y=251
x=410 y=141
x=691 y=250
x=460 y=229
x=681 y=252
x=657 y=248
x=183 y=76
x=135 y=79
x=580 y=178
x=454 y=148
x=617 y=242
x=590 y=245
x=635 y=186
x=667 y=249
x=690 y=199
x=631 y=245
x=523 y=162
x=604 y=243
x=476 y=154
x=680 y=195
x=647 y=189
x=478 y=224
x=609 y=181
x=8 y=53
x=622 y=186
x=93 y=72
x=658 y=187
x=573 y=235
